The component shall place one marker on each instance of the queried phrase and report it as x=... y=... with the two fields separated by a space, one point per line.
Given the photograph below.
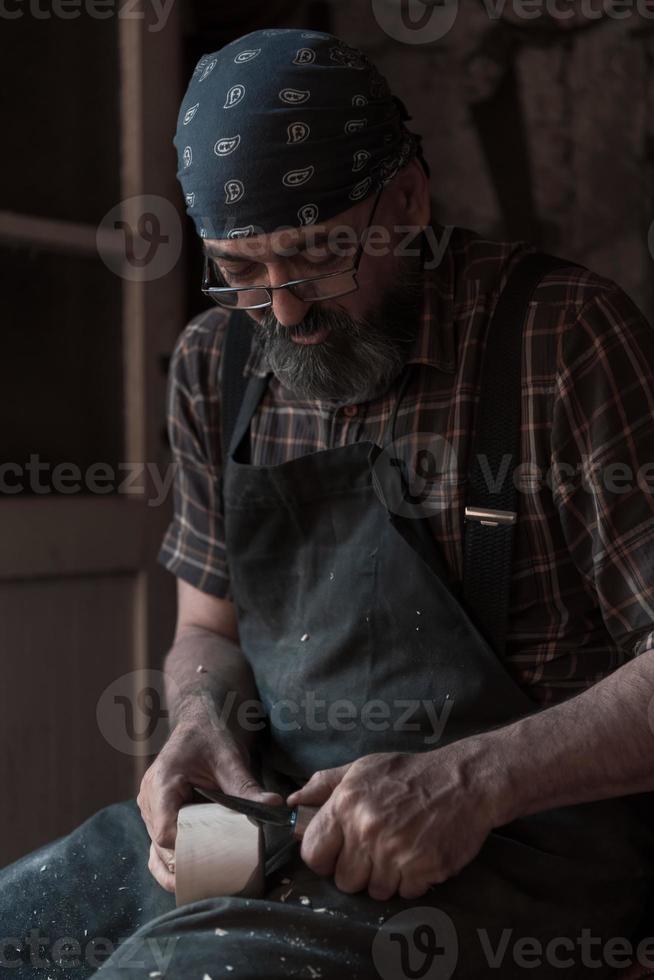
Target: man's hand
x=199 y=752
x=397 y=822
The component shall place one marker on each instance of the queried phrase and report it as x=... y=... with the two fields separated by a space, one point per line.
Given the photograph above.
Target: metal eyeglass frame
x=214 y=292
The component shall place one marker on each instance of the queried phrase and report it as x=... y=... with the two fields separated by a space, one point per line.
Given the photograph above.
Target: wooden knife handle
x=305 y=815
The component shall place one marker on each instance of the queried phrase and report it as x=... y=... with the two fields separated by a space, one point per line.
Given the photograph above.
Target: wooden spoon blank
x=217 y=852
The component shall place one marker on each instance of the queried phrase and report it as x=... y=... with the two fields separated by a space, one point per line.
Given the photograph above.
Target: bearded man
x=454 y=663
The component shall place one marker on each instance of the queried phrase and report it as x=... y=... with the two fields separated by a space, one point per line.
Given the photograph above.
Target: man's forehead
x=341 y=229
x=264 y=245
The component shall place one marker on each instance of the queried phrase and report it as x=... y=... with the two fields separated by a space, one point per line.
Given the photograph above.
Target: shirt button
x=350 y=411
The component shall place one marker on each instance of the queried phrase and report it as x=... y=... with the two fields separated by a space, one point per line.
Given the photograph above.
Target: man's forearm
x=206 y=670
x=598 y=744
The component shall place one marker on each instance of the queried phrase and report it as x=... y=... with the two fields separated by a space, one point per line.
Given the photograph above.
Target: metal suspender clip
x=490 y=518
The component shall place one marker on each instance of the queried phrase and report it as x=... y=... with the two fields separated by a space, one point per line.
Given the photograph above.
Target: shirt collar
x=435 y=341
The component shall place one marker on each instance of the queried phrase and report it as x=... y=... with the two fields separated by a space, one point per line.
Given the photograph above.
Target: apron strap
x=238 y=341
x=492 y=500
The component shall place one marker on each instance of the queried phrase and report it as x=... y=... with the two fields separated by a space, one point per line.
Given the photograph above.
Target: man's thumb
x=237 y=780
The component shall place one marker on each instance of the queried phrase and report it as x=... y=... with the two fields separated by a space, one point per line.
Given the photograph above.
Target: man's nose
x=288 y=309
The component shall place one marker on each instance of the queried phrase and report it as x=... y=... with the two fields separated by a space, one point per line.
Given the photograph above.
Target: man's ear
x=412 y=194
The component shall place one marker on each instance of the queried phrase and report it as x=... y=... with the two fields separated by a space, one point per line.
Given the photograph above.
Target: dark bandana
x=285 y=127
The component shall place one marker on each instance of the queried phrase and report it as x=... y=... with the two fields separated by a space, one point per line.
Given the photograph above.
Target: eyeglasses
x=310 y=290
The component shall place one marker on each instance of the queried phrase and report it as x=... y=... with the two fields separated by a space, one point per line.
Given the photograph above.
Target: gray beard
x=360 y=358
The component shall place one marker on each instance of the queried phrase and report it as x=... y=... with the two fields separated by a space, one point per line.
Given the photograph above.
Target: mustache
x=270 y=330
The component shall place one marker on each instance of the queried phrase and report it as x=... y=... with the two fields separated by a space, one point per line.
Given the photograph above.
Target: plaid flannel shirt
x=582 y=600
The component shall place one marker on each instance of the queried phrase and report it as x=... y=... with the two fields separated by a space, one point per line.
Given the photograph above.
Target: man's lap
x=94 y=884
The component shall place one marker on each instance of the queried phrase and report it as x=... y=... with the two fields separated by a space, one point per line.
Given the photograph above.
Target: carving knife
x=296 y=818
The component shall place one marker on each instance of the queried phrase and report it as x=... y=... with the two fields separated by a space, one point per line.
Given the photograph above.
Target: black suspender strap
x=492 y=500
x=237 y=348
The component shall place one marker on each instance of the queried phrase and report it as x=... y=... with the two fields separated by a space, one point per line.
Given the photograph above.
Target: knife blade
x=296 y=818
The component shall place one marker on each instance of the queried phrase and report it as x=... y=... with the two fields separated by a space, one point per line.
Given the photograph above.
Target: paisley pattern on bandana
x=286 y=127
